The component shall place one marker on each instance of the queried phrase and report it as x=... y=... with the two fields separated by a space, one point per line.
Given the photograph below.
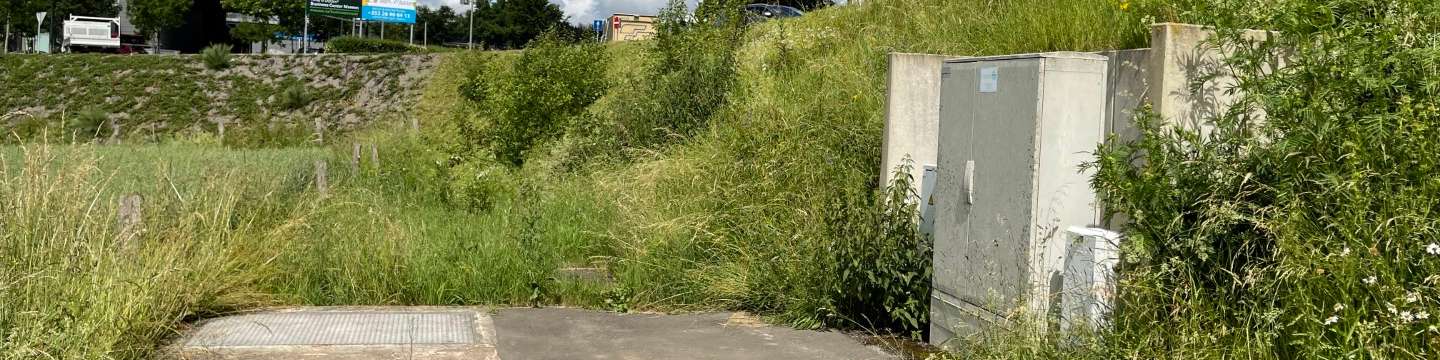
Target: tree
x=289 y=13
x=153 y=16
x=519 y=21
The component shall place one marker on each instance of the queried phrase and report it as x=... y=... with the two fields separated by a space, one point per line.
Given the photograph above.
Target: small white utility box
x=1014 y=132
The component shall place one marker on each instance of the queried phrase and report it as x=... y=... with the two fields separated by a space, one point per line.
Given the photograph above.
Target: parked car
x=762 y=12
x=86 y=33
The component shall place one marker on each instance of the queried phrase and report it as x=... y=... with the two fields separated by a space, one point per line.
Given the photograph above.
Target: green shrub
x=363 y=45
x=688 y=76
x=216 y=57
x=293 y=97
x=1309 y=232
x=546 y=91
x=89 y=123
x=882 y=260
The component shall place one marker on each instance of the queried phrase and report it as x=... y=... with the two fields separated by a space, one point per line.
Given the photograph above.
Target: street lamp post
x=470 y=41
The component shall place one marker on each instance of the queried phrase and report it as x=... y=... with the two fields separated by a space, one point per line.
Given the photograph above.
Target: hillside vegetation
x=263 y=100
x=730 y=156
x=709 y=169
x=734 y=167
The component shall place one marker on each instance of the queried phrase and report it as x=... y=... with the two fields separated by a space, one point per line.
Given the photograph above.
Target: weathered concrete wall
x=1183 y=54
x=1126 y=88
x=912 y=114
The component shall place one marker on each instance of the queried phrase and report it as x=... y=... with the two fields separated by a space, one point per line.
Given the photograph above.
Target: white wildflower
x=1406 y=316
x=1339 y=307
x=1433 y=249
x=1411 y=297
x=1422 y=315
x=1345 y=251
x=1390 y=307
x=1370 y=280
x=1332 y=319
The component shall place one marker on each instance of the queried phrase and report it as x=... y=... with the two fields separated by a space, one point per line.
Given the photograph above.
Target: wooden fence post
x=355 y=158
x=319 y=131
x=128 y=218
x=375 y=156
x=322 y=181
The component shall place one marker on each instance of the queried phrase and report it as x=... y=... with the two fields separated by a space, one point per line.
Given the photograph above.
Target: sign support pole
x=35 y=45
x=305 y=31
x=470 y=42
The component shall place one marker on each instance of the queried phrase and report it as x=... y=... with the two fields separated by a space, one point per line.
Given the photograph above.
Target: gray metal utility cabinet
x=1014 y=131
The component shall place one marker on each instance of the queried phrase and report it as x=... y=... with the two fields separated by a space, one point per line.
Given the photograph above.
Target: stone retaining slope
x=145 y=94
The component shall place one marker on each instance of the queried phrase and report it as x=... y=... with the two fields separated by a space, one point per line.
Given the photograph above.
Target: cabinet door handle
x=969 y=181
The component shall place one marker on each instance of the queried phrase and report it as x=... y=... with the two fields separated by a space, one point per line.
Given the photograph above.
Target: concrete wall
x=1182 y=54
x=1126 y=88
x=912 y=115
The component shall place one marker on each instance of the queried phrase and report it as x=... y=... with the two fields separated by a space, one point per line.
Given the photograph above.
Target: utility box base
x=1014 y=132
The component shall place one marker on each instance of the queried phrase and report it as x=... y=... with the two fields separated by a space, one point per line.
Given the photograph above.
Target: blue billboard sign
x=391 y=11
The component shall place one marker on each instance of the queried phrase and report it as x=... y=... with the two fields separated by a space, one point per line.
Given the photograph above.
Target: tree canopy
x=153 y=16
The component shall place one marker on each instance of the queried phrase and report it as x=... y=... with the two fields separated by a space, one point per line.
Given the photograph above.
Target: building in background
x=629 y=27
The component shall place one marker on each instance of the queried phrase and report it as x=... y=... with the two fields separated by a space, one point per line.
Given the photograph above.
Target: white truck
x=91 y=34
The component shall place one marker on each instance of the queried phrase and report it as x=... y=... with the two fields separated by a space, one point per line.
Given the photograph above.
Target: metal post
x=305 y=33
x=382 y=29
x=470 y=44
x=412 y=34
x=425 y=38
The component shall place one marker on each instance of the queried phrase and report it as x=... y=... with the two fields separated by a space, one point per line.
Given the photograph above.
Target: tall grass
x=74 y=285
x=744 y=201
x=720 y=201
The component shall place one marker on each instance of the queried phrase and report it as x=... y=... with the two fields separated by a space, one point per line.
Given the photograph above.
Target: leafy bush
x=688 y=75
x=216 y=57
x=363 y=45
x=882 y=260
x=293 y=97
x=89 y=123
x=545 y=92
x=1302 y=222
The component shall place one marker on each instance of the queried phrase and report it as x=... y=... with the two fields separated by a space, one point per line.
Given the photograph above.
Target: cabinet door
x=1003 y=191
x=987 y=144
x=952 y=213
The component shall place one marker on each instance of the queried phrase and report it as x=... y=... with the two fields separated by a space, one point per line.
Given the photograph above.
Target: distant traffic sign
x=598 y=26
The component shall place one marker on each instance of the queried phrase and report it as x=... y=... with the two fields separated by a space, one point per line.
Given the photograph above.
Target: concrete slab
x=541 y=334
x=343 y=333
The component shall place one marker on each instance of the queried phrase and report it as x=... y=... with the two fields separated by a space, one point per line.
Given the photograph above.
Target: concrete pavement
x=375 y=333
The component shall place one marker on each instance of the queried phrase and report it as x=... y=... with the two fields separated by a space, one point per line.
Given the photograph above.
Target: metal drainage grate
x=337 y=328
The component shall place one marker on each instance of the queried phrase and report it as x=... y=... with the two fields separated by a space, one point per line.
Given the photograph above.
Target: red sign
x=616 y=20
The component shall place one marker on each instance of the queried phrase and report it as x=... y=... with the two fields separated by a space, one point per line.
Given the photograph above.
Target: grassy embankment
x=136 y=99
x=731 y=217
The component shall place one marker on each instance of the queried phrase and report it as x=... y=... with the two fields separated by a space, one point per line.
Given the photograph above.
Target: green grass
x=733 y=217
x=74 y=285
x=153 y=98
